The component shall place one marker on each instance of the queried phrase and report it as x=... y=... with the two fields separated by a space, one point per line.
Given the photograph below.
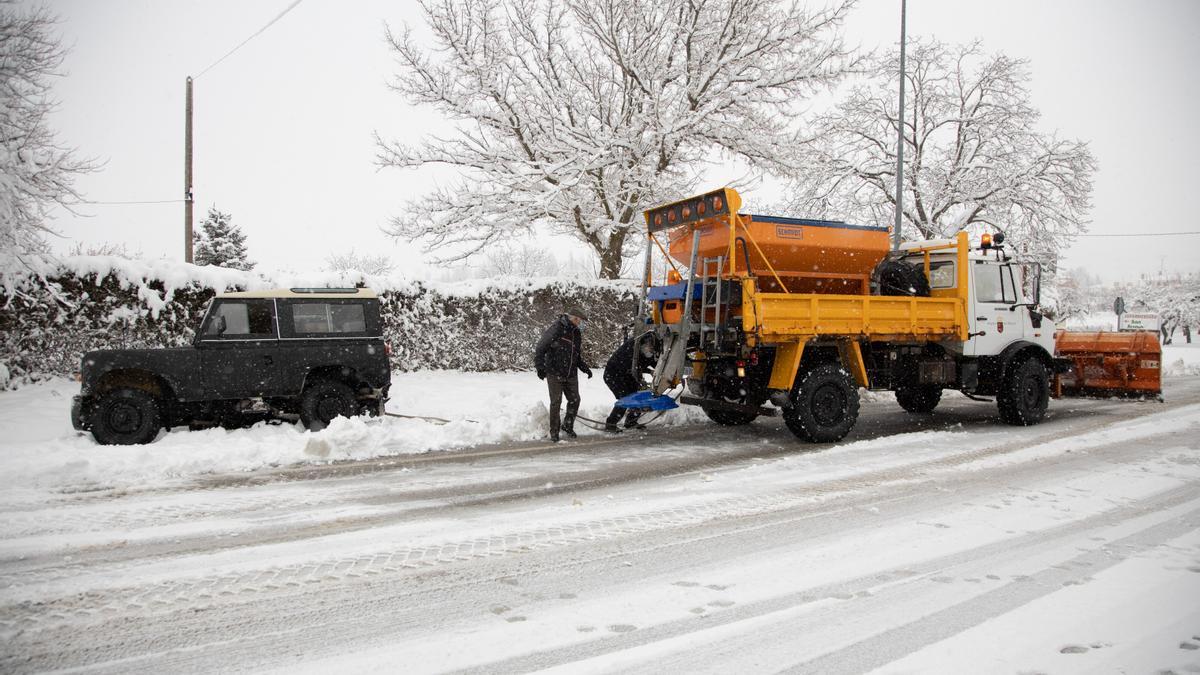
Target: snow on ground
x=1113 y=623
x=1181 y=359
x=40 y=451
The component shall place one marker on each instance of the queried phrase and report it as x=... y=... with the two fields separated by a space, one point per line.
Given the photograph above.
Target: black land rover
x=311 y=353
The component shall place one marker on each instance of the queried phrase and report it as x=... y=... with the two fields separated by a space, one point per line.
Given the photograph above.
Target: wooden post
x=187 y=176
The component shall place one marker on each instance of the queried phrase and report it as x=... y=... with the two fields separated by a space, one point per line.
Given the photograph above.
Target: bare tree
x=577 y=114
x=375 y=265
x=525 y=260
x=36 y=172
x=106 y=248
x=972 y=154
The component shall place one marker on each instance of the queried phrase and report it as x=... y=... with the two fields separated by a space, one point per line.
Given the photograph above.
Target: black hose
x=746 y=255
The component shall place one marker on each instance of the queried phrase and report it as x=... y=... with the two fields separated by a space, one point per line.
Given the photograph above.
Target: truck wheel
x=824 y=405
x=125 y=417
x=730 y=418
x=921 y=398
x=1024 y=394
x=324 y=400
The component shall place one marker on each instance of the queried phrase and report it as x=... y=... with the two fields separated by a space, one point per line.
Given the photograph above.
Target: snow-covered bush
x=50 y=318
x=469 y=326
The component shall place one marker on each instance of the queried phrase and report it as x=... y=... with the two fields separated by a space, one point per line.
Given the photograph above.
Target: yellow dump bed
x=779 y=316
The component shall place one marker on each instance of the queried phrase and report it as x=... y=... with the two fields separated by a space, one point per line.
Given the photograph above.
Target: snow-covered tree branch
x=576 y=115
x=972 y=155
x=36 y=173
x=353 y=261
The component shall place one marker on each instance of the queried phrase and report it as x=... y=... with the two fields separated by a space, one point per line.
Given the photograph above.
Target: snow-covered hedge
x=49 y=319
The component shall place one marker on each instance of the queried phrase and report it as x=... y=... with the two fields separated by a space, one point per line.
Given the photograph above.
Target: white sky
x=284 y=127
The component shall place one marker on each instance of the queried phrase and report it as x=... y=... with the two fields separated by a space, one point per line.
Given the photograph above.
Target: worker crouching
x=623 y=374
x=559 y=360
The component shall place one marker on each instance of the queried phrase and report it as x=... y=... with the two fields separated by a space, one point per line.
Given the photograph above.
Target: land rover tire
x=1024 y=393
x=125 y=416
x=919 y=398
x=323 y=400
x=824 y=405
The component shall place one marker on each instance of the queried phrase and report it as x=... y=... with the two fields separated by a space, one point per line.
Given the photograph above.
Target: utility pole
x=900 y=135
x=187 y=176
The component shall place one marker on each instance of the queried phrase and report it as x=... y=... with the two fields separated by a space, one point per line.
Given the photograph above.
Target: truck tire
x=323 y=400
x=125 y=416
x=824 y=405
x=919 y=398
x=730 y=418
x=1024 y=393
x=896 y=277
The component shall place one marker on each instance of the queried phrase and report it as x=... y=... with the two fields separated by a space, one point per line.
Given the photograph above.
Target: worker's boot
x=610 y=424
x=631 y=422
x=568 y=423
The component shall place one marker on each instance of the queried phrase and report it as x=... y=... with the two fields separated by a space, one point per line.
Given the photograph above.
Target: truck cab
x=1003 y=296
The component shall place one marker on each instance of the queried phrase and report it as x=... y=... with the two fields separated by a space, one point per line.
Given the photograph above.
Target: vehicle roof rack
x=324 y=290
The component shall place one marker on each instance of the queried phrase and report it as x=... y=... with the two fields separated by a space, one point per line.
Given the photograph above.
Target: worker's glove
x=541 y=373
x=587 y=371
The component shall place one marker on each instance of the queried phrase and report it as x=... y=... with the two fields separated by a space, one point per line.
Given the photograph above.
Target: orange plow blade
x=1106 y=363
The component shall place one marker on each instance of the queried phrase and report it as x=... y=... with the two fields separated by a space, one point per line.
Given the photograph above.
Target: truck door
x=993 y=323
x=239 y=349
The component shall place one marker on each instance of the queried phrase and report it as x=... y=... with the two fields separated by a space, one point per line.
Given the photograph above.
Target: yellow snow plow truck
x=762 y=315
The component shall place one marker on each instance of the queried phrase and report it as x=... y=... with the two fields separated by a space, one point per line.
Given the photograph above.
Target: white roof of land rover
x=318 y=293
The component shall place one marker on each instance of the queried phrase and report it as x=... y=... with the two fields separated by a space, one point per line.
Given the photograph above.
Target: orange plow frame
x=1107 y=363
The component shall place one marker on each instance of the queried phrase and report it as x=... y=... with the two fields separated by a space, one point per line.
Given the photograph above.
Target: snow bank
x=39 y=450
x=1181 y=359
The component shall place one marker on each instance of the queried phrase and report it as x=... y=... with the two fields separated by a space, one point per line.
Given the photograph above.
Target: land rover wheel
x=920 y=398
x=125 y=417
x=1024 y=394
x=824 y=405
x=323 y=400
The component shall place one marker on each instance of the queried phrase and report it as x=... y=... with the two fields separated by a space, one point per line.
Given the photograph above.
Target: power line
x=153 y=201
x=256 y=34
x=1146 y=234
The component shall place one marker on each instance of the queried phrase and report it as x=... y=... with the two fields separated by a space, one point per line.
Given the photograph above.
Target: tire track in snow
x=293 y=578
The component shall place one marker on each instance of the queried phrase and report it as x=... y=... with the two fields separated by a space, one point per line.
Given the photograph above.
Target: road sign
x=1137 y=321
x=1119 y=306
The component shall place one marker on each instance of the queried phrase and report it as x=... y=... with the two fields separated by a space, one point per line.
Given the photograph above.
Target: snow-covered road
x=949 y=543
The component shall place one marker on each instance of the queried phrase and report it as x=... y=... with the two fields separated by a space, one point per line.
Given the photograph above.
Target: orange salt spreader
x=1108 y=363
x=805 y=255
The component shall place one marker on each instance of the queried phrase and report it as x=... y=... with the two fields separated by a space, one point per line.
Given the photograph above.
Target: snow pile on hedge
x=50 y=316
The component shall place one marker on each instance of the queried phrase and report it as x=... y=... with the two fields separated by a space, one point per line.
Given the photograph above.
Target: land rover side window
x=240 y=319
x=942 y=274
x=327 y=318
x=994 y=283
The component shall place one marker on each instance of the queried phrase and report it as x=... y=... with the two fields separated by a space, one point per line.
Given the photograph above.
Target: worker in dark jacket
x=559 y=360
x=623 y=376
